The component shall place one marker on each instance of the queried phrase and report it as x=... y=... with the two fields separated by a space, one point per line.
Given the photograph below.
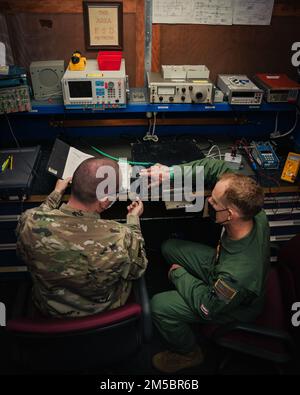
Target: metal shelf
x=58 y=108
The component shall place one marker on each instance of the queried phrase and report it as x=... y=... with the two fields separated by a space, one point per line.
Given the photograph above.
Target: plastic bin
x=109 y=60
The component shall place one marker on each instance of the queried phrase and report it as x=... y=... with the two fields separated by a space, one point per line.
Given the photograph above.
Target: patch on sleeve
x=224 y=291
x=204 y=310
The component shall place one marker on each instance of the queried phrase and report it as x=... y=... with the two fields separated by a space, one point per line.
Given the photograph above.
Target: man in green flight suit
x=213 y=285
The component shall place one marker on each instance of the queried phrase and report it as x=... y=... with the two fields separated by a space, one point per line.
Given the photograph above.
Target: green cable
x=117 y=159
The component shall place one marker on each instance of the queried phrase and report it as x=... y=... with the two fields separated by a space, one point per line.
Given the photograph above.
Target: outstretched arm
x=213 y=169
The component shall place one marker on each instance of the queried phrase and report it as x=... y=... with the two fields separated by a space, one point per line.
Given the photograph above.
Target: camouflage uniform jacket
x=80 y=264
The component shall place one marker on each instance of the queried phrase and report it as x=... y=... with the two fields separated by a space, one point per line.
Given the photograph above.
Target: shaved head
x=86 y=179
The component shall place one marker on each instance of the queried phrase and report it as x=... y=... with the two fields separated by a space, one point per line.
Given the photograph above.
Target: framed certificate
x=103 y=25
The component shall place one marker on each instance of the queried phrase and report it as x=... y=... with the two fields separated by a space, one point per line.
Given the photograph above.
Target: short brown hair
x=245 y=193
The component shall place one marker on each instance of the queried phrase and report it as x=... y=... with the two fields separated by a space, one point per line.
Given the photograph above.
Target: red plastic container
x=109 y=60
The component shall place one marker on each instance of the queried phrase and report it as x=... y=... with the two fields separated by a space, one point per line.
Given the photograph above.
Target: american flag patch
x=204 y=309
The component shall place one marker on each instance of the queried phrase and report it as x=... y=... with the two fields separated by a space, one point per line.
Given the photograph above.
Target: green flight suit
x=211 y=287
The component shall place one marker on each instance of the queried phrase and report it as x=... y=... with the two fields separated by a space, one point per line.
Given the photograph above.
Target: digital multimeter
x=291 y=167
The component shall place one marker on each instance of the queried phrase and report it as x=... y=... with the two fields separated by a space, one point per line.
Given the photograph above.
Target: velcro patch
x=224 y=291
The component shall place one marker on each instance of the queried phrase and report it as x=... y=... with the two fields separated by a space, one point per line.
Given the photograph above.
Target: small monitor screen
x=80 y=89
x=266 y=152
x=166 y=90
x=280 y=92
x=243 y=94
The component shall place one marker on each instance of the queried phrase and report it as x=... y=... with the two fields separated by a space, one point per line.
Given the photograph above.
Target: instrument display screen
x=243 y=94
x=80 y=89
x=166 y=90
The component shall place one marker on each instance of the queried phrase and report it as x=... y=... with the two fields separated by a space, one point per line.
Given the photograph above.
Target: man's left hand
x=61 y=185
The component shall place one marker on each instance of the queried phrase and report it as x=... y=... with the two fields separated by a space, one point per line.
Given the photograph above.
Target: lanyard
x=218 y=251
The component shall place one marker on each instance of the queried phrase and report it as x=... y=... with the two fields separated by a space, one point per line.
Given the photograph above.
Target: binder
x=64 y=159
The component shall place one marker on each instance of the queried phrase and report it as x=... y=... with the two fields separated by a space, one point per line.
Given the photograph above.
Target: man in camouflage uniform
x=81 y=264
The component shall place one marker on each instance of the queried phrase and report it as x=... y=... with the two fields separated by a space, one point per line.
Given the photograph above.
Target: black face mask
x=213 y=214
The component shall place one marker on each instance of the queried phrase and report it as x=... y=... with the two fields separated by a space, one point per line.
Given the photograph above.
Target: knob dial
x=171 y=98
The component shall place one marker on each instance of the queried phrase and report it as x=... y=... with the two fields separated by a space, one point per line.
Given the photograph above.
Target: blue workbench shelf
x=58 y=108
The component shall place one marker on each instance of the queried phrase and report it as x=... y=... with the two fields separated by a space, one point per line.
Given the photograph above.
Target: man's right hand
x=61 y=185
x=136 y=208
x=158 y=173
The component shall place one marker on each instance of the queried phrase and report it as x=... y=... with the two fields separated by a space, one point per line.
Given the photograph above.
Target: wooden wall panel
x=286 y=8
x=54 y=6
x=155 y=65
x=232 y=49
x=45 y=37
x=4 y=38
x=281 y=7
x=53 y=30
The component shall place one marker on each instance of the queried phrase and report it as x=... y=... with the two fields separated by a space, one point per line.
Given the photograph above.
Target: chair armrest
x=142 y=297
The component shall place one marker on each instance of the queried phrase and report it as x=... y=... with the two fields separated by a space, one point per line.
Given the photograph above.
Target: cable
x=274 y=134
x=150 y=135
x=25 y=160
x=154 y=125
x=117 y=159
x=208 y=155
x=245 y=146
x=215 y=156
x=19 y=146
x=54 y=95
x=276 y=123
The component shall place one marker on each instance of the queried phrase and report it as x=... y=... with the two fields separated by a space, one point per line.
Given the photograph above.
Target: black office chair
x=42 y=343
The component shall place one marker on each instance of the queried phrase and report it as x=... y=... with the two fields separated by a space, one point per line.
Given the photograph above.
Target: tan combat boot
x=171 y=362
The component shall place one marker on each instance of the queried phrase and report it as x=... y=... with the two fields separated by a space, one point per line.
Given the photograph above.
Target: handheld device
x=264 y=155
x=291 y=167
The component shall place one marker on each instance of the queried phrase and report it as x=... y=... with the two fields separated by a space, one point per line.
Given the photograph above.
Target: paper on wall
x=252 y=12
x=209 y=12
x=213 y=12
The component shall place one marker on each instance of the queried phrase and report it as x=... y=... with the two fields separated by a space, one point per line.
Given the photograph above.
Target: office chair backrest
x=43 y=343
x=289 y=269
